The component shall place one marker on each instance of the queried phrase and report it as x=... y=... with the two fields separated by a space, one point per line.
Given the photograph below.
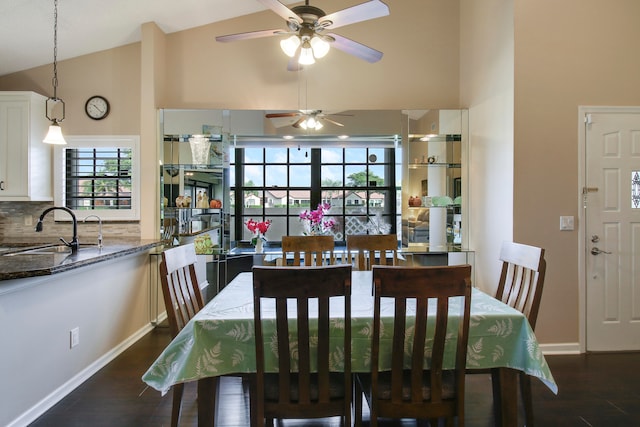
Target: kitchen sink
x=44 y=250
x=59 y=249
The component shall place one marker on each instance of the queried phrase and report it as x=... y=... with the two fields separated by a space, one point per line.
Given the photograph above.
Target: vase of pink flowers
x=316 y=222
x=259 y=229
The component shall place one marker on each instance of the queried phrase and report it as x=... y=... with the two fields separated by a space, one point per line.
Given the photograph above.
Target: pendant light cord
x=54 y=81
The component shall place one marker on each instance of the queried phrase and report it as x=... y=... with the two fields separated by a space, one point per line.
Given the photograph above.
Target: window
x=98 y=175
x=279 y=183
x=635 y=189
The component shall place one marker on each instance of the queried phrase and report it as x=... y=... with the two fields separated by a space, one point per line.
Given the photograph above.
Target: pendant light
x=54 y=136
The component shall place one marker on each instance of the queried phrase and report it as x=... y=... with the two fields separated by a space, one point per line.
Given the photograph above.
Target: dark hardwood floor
x=594 y=390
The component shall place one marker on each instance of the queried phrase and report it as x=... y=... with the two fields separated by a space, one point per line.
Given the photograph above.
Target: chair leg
x=357 y=402
x=207 y=400
x=497 y=396
x=178 y=391
x=248 y=388
x=527 y=398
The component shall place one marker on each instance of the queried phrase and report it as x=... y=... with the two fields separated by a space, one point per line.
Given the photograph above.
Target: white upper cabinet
x=25 y=161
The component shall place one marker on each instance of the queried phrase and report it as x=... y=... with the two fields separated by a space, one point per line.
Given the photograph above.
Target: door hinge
x=587 y=119
x=586 y=190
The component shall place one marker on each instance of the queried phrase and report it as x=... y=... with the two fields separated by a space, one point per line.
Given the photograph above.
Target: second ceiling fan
x=307 y=119
x=306 y=37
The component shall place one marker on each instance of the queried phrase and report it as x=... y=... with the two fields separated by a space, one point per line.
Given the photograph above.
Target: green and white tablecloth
x=219 y=340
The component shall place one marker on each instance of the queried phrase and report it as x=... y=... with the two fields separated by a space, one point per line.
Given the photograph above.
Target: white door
x=612 y=234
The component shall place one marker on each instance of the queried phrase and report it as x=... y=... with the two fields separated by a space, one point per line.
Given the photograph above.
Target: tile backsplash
x=14 y=217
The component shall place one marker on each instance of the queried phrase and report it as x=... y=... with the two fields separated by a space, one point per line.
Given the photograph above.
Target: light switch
x=566 y=223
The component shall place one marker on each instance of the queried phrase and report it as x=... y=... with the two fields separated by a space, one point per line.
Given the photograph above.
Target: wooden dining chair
x=308 y=250
x=182 y=299
x=408 y=390
x=313 y=380
x=520 y=286
x=372 y=249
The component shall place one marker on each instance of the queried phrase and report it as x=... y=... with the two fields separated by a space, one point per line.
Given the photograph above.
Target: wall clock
x=97 y=107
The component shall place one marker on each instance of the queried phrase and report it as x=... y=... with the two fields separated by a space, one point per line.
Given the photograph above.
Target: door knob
x=597 y=251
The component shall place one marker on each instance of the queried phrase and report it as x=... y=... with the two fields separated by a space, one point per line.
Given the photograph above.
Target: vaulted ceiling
x=86 y=26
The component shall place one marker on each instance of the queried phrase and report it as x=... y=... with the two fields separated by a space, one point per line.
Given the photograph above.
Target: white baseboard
x=560 y=348
x=61 y=392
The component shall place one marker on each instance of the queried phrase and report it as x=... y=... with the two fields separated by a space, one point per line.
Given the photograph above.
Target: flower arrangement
x=316 y=222
x=259 y=229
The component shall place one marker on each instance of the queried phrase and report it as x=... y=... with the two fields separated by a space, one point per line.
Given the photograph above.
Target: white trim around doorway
x=583 y=112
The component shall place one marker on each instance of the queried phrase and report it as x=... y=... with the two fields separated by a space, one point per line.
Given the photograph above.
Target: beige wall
x=523 y=88
x=112 y=73
x=419 y=68
x=567 y=54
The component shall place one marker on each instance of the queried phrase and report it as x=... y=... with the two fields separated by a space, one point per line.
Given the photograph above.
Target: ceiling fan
x=307 y=119
x=306 y=39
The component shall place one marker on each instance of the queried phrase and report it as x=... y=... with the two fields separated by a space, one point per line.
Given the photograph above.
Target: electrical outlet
x=28 y=220
x=75 y=336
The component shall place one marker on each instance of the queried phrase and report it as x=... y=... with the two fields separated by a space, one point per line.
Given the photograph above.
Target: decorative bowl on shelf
x=415 y=202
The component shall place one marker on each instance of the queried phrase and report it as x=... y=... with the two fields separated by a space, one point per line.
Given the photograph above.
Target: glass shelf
x=427 y=165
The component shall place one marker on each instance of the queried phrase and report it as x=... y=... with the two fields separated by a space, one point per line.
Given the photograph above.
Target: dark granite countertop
x=17 y=265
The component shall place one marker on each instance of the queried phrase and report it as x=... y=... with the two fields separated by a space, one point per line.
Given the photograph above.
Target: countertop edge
x=11 y=269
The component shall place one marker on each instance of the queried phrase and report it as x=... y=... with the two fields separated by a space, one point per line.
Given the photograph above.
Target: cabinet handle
x=1 y=185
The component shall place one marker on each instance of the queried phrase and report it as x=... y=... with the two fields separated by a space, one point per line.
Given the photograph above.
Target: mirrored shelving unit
x=194 y=186
x=434 y=184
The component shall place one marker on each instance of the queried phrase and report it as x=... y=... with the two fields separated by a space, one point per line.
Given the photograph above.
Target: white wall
x=107 y=301
x=486 y=70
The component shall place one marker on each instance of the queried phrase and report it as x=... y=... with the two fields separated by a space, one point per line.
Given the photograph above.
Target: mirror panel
x=430 y=145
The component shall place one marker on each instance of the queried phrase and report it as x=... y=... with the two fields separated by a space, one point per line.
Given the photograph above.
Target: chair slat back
x=522 y=278
x=180 y=288
x=303 y=380
x=308 y=250
x=372 y=249
x=427 y=339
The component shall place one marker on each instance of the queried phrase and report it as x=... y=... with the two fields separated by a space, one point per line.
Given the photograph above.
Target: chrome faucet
x=99 y=232
x=74 y=244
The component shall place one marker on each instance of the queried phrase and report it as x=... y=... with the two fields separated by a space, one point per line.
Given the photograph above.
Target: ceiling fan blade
x=338 y=114
x=281 y=10
x=358 y=13
x=297 y=123
x=357 y=49
x=274 y=115
x=332 y=121
x=249 y=35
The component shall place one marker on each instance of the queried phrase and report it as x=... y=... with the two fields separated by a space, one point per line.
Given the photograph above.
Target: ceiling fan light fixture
x=306 y=54
x=290 y=45
x=311 y=123
x=320 y=47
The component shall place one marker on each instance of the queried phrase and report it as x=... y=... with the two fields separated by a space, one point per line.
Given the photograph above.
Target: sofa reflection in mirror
x=416 y=228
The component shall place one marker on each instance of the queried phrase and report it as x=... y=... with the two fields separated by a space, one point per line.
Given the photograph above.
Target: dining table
x=219 y=341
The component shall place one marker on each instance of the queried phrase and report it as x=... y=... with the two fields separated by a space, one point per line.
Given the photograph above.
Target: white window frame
x=98 y=141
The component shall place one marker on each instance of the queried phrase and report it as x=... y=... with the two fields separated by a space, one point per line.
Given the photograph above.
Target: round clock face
x=97 y=107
